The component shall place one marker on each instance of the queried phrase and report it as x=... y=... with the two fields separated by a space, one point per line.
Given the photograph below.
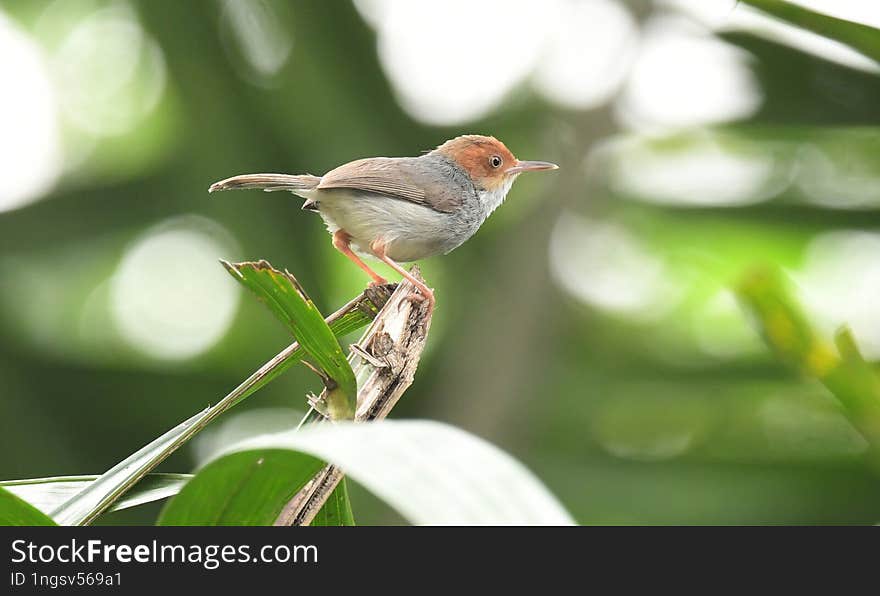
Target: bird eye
x=496 y=161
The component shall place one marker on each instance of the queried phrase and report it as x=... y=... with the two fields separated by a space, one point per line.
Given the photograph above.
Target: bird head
x=490 y=165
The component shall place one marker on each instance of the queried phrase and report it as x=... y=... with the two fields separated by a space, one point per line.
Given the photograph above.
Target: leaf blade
x=860 y=37
x=255 y=486
x=765 y=294
x=48 y=493
x=94 y=499
x=337 y=510
x=286 y=298
x=18 y=512
x=430 y=472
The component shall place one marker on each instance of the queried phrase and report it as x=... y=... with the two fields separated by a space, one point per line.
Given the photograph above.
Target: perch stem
x=396 y=339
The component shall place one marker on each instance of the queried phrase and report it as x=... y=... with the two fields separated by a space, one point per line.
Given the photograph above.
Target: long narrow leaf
x=860 y=37
x=348 y=323
x=337 y=510
x=765 y=294
x=430 y=472
x=286 y=298
x=17 y=512
x=83 y=507
x=98 y=496
x=856 y=384
x=255 y=488
x=47 y=494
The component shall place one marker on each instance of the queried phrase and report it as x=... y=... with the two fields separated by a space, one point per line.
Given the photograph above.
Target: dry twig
x=393 y=345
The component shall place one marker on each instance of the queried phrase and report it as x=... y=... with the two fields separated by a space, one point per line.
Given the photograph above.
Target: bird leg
x=341 y=241
x=378 y=249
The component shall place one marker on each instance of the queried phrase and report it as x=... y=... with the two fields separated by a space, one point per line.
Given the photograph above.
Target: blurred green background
x=588 y=329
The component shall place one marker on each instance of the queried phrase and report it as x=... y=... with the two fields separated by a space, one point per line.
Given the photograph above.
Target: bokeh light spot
x=588 y=54
x=644 y=425
x=260 y=38
x=842 y=175
x=603 y=264
x=170 y=298
x=841 y=283
x=113 y=74
x=446 y=73
x=30 y=154
x=696 y=170
x=684 y=76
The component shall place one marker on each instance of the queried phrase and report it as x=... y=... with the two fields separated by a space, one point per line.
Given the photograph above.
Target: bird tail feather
x=299 y=185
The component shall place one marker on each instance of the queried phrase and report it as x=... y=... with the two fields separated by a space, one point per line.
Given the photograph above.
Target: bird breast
x=410 y=231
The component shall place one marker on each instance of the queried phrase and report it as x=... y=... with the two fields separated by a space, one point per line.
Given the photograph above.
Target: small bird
x=402 y=209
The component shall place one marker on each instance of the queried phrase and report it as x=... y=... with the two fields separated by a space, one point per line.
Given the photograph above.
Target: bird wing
x=399 y=178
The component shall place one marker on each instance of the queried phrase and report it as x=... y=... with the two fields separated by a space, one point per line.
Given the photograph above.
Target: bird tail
x=299 y=185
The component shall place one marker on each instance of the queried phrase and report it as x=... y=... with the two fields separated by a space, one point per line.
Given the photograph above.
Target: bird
x=403 y=209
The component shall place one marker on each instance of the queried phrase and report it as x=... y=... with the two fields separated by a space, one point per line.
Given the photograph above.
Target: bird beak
x=531 y=166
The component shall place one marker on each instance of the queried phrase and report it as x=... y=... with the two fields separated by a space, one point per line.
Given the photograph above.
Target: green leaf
x=856 y=385
x=765 y=294
x=47 y=494
x=430 y=472
x=348 y=323
x=17 y=512
x=860 y=37
x=83 y=507
x=91 y=501
x=287 y=299
x=243 y=489
x=807 y=100
x=337 y=510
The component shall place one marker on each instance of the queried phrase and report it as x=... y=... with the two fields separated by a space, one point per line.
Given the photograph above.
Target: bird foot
x=422 y=295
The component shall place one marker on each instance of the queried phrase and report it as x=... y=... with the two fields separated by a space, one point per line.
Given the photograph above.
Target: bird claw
x=418 y=297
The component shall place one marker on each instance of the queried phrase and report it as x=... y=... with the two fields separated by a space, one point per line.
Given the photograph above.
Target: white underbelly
x=408 y=230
